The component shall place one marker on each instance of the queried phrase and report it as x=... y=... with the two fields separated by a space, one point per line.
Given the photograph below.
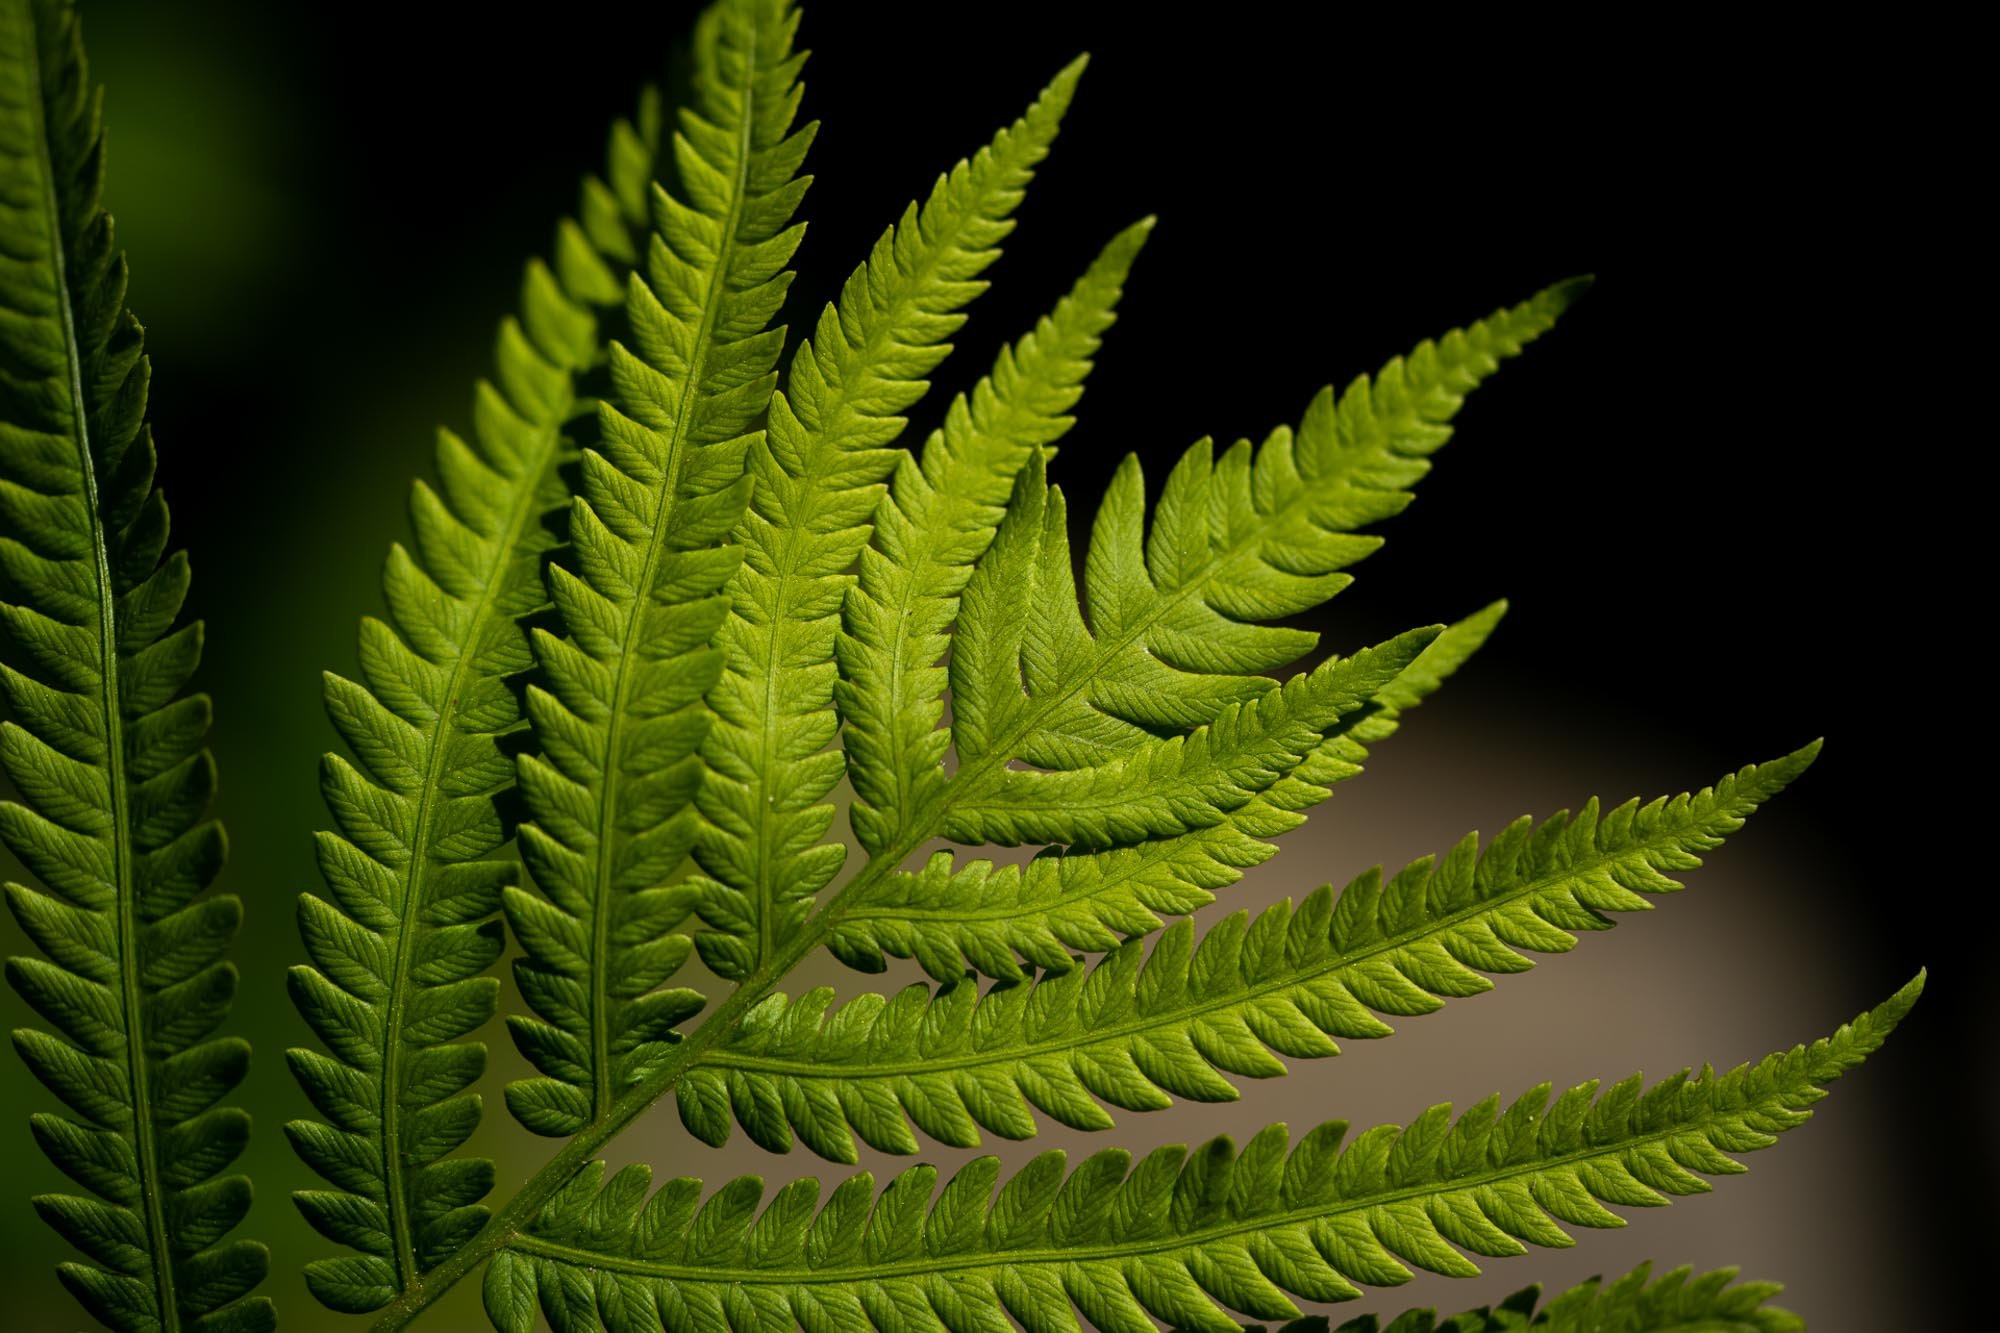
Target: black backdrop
x=1730 y=497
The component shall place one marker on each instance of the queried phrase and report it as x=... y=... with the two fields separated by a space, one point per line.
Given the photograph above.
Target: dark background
x=1730 y=497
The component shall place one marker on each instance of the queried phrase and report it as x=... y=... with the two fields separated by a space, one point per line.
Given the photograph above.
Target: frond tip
x=1178 y=1236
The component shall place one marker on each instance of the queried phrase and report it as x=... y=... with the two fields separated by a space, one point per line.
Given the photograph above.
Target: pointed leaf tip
x=1569 y=291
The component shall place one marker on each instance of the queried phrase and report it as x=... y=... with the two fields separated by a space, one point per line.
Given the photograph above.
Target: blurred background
x=1724 y=495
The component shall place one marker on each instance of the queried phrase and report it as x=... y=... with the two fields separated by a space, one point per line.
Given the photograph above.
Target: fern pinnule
x=105 y=750
x=1137 y=1034
x=1179 y=1236
x=617 y=713
x=818 y=478
x=402 y=945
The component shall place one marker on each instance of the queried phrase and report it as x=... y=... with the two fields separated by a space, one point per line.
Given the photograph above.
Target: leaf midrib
x=131 y=1001
x=848 y=1070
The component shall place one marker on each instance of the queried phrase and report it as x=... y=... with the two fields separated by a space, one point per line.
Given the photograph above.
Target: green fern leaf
x=950 y=918
x=1679 y=1301
x=752 y=565
x=402 y=946
x=1137 y=1034
x=105 y=751
x=939 y=517
x=818 y=478
x=1177 y=1237
x=618 y=714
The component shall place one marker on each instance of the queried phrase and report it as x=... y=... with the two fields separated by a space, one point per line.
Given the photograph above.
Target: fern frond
x=1174 y=633
x=103 y=747
x=950 y=918
x=1177 y=1237
x=818 y=478
x=1135 y=1034
x=402 y=945
x=937 y=520
x=1678 y=1301
x=618 y=715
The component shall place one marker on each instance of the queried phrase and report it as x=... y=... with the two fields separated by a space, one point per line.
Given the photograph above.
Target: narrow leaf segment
x=617 y=711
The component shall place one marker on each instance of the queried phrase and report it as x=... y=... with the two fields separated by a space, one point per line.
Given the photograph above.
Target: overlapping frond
x=403 y=943
x=818 y=478
x=936 y=521
x=950 y=917
x=618 y=714
x=1176 y=629
x=104 y=749
x=1178 y=1236
x=1140 y=1029
x=1677 y=1301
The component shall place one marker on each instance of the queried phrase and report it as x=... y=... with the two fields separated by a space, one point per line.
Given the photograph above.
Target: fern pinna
x=756 y=591
x=104 y=748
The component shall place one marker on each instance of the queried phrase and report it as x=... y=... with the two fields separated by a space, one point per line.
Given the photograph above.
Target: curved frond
x=818 y=479
x=618 y=712
x=939 y=516
x=1140 y=1029
x=404 y=941
x=1179 y=1237
x=951 y=917
x=105 y=750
